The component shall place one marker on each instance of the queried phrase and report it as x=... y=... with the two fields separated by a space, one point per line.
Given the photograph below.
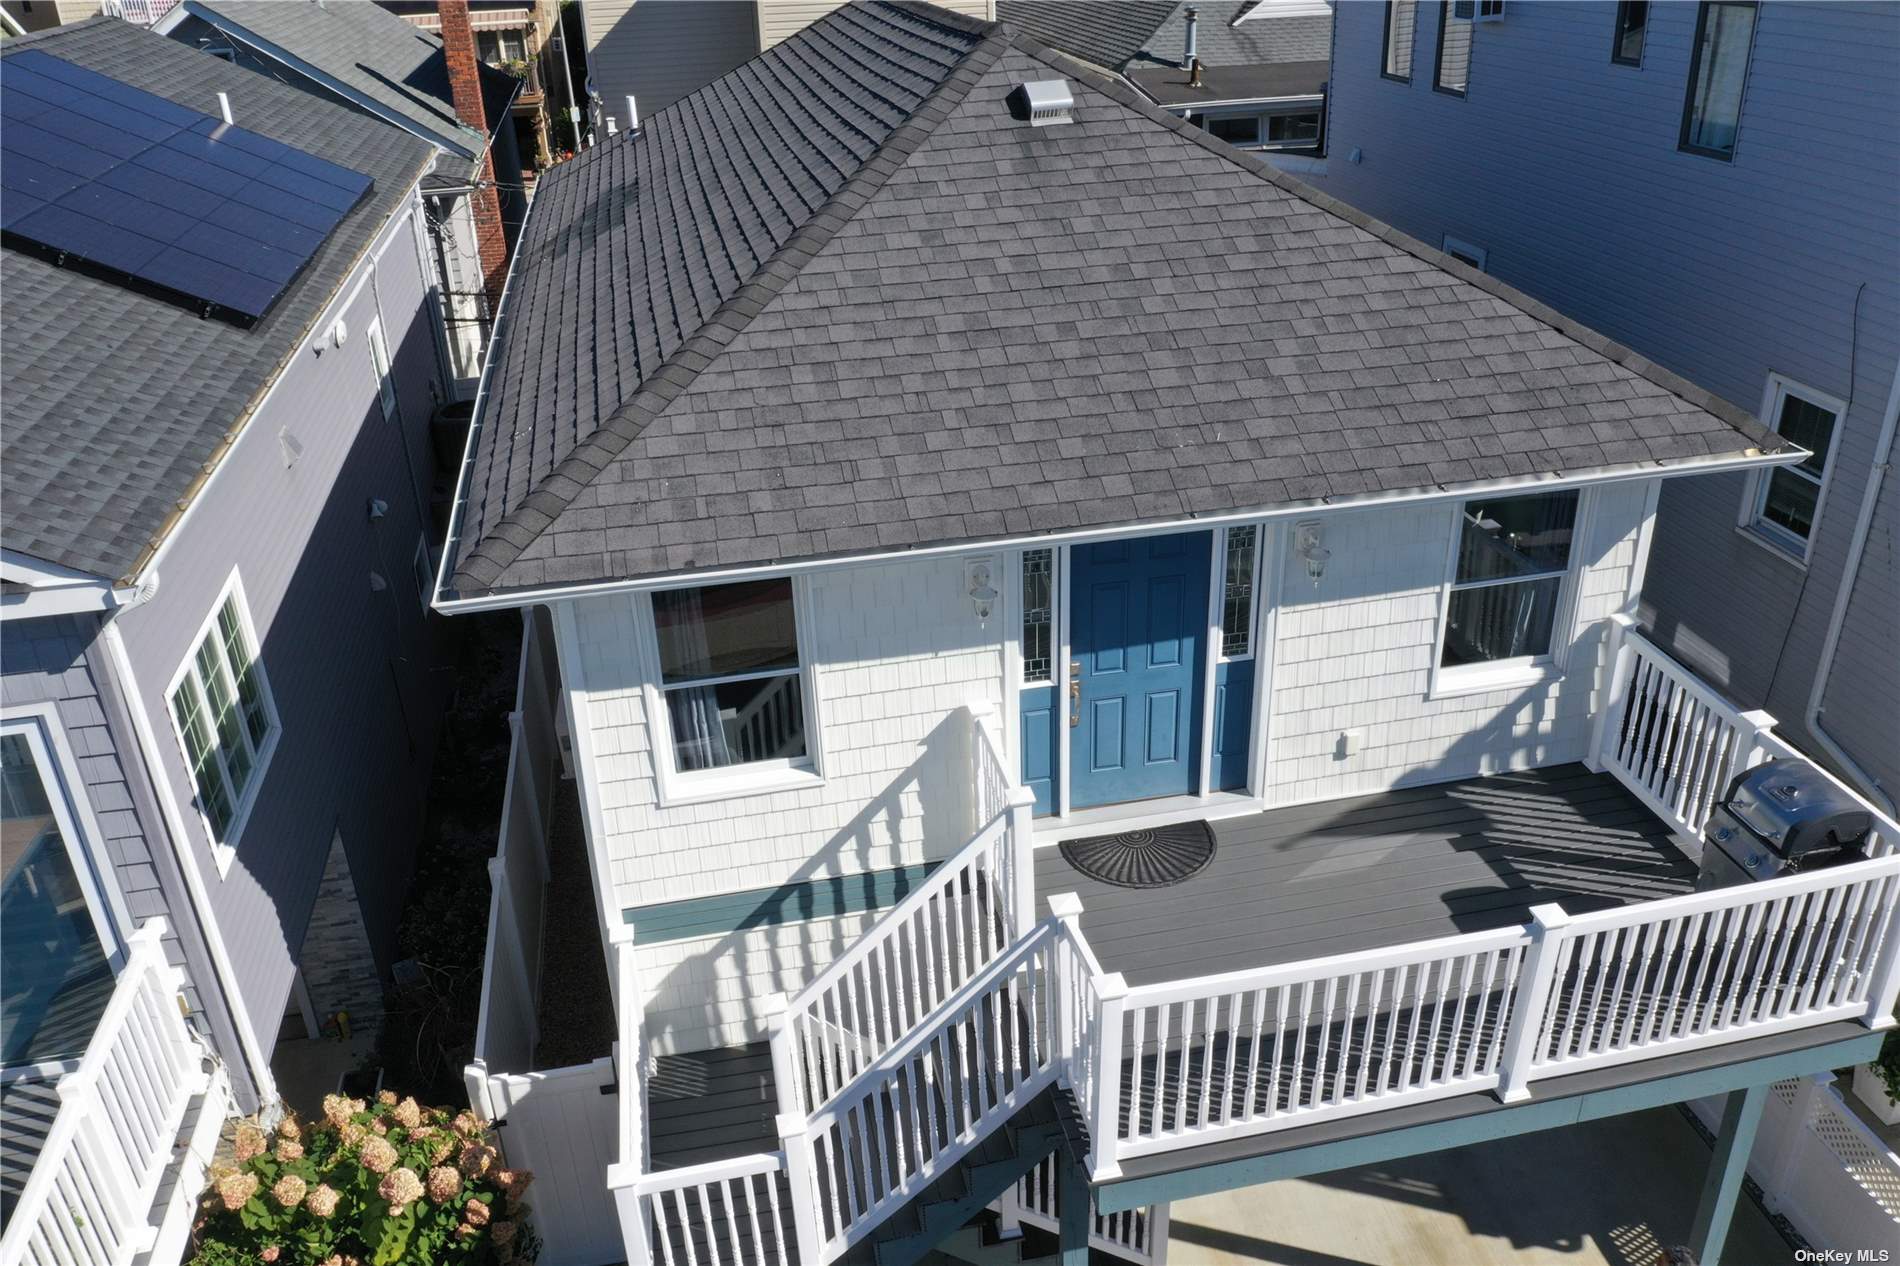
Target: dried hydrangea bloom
x=476 y=1212
x=379 y=1156
x=468 y=1125
x=288 y=1191
x=289 y=1150
x=235 y=1189
x=442 y=1149
x=322 y=1200
x=386 y=1097
x=445 y=1183
x=474 y=1160
x=351 y=1134
x=270 y=1253
x=502 y=1231
x=249 y=1142
x=408 y=1114
x=289 y=1129
x=400 y=1187
x=337 y=1110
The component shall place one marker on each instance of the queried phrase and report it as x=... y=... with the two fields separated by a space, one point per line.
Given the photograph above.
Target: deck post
x=786 y=1081
x=631 y=1207
x=1534 y=985
x=1883 y=984
x=1077 y=1205
x=1618 y=659
x=794 y=1135
x=1022 y=860
x=1105 y=1112
x=1741 y=1114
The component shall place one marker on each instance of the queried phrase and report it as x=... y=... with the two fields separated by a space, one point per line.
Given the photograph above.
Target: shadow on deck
x=1344 y=875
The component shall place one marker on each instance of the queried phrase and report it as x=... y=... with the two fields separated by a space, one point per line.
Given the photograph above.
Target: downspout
x=257 y=1064
x=1856 y=549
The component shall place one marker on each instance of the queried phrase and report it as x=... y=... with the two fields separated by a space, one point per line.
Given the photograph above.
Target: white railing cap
x=1065 y=905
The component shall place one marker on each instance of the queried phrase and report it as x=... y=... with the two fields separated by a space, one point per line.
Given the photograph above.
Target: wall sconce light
x=977 y=575
x=1309 y=546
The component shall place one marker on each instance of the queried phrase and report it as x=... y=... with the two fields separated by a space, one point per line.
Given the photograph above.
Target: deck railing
x=921 y=951
x=724 y=1213
x=89 y=1196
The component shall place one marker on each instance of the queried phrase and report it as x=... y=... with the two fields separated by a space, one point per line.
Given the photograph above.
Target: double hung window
x=730 y=675
x=226 y=721
x=1785 y=502
x=1512 y=556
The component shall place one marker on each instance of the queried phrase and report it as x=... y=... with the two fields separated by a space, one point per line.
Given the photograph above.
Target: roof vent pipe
x=1194 y=75
x=224 y=106
x=1188 y=47
x=633 y=115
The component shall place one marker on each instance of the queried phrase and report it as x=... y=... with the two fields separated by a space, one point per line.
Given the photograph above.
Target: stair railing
x=970 y=910
x=928 y=1100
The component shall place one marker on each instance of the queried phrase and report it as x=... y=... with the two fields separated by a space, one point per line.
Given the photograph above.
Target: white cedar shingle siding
x=704 y=992
x=897 y=650
x=1565 y=168
x=1356 y=653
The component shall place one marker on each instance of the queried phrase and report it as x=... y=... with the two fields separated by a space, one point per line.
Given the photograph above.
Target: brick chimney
x=465 y=85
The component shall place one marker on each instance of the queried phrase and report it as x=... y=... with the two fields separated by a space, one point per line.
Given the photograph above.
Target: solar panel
x=120 y=183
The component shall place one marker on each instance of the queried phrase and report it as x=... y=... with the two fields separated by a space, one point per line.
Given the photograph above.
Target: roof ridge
x=521 y=526
x=1601 y=344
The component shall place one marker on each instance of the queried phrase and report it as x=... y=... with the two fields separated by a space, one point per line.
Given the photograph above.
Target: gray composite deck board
x=1344 y=875
x=712 y=1105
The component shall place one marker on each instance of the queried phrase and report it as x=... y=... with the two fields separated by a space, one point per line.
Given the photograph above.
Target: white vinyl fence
x=1822 y=1167
x=560 y=1123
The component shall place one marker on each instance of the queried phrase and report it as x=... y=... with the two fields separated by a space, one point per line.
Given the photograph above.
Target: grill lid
x=1795 y=808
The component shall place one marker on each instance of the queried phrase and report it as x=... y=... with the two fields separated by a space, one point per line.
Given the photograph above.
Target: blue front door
x=1139 y=627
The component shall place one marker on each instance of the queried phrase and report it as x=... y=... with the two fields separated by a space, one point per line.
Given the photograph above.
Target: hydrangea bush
x=368 y=1185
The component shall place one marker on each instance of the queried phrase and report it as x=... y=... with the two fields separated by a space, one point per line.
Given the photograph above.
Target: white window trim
x=383 y=367
x=45 y=736
x=675 y=787
x=1526 y=671
x=1778 y=540
x=1458 y=246
x=1220 y=596
x=223 y=851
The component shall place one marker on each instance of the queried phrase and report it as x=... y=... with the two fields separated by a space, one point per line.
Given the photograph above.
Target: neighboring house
x=526 y=40
x=1654 y=170
x=937 y=482
x=217 y=714
x=38 y=15
x=374 y=62
x=1261 y=79
x=658 y=51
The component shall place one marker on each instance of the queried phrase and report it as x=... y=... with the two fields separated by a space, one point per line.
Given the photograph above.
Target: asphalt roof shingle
x=374 y=53
x=1001 y=330
x=114 y=405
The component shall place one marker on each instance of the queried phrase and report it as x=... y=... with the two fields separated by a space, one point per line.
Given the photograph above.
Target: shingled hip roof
x=844 y=301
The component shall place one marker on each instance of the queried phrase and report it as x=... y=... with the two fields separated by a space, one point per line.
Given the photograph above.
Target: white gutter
x=503 y=602
x=1856 y=550
x=475 y=425
x=255 y=1059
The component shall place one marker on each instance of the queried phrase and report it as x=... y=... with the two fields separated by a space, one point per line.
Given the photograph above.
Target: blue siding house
x=216 y=711
x=1718 y=186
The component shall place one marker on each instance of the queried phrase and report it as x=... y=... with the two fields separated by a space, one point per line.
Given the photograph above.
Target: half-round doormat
x=1153 y=858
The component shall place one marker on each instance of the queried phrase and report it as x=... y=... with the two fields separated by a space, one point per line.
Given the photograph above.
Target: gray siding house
x=1717 y=186
x=216 y=708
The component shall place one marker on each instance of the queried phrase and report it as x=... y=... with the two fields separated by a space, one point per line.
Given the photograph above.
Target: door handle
x=1075 y=694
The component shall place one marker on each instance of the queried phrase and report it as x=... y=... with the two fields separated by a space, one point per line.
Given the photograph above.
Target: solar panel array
x=117 y=182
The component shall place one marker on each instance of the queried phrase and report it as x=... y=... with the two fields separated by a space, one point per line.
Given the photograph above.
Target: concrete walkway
x=1608 y=1193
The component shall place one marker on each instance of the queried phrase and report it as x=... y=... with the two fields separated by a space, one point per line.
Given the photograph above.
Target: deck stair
x=990 y=1170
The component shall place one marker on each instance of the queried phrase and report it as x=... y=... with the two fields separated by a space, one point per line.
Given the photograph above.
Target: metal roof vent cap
x=1048 y=102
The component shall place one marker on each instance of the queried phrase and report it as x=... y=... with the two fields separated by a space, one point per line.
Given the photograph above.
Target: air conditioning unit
x=1477 y=10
